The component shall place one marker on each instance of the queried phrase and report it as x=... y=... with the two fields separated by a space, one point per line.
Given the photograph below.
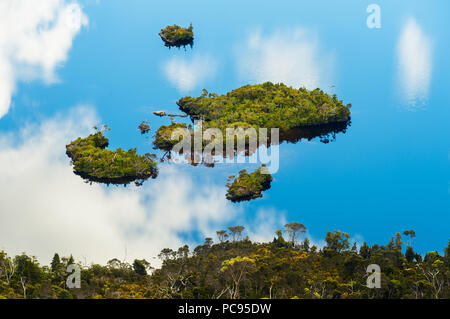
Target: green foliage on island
x=163 y=136
x=175 y=35
x=266 y=105
x=248 y=186
x=235 y=267
x=297 y=113
x=92 y=161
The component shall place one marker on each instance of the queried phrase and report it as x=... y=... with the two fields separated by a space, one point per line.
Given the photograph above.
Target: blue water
x=389 y=172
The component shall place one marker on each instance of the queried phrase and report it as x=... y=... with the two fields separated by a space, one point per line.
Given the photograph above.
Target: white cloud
x=289 y=56
x=265 y=224
x=45 y=208
x=35 y=37
x=186 y=74
x=414 y=54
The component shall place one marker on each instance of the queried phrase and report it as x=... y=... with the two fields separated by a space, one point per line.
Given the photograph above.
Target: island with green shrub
x=174 y=35
x=297 y=113
x=163 y=137
x=93 y=162
x=268 y=106
x=248 y=186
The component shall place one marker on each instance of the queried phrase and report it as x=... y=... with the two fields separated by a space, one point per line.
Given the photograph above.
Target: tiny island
x=93 y=162
x=144 y=127
x=176 y=36
x=248 y=186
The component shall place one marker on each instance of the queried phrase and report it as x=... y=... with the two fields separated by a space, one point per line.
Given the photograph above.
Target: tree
x=364 y=251
x=391 y=244
x=337 y=241
x=140 y=266
x=411 y=233
x=398 y=241
x=433 y=272
x=447 y=253
x=409 y=254
x=237 y=268
x=209 y=241
x=236 y=232
x=70 y=261
x=183 y=252
x=28 y=272
x=222 y=235
x=166 y=253
x=279 y=241
x=306 y=244
x=293 y=229
x=7 y=267
x=56 y=262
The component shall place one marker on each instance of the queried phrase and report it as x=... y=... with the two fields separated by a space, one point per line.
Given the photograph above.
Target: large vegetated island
x=174 y=35
x=268 y=106
x=93 y=162
x=297 y=113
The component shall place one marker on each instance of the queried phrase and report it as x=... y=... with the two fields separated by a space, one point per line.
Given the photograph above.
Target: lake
x=388 y=172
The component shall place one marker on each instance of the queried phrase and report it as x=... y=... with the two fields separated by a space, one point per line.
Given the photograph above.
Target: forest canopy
x=92 y=161
x=235 y=267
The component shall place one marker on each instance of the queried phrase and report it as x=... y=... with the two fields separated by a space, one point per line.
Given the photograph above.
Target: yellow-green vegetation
x=175 y=35
x=163 y=136
x=266 y=105
x=235 y=267
x=248 y=186
x=92 y=161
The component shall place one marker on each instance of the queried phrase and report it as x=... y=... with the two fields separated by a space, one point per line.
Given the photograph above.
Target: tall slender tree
x=295 y=229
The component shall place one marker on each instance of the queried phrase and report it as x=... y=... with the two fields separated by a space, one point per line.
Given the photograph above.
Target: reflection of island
x=248 y=186
x=176 y=36
x=325 y=132
x=94 y=163
x=163 y=141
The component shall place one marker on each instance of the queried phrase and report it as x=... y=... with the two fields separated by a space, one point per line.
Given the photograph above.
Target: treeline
x=235 y=267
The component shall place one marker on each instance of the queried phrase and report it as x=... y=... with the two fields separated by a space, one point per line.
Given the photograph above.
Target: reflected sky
x=389 y=172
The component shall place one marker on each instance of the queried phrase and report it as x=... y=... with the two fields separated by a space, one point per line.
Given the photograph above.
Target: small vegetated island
x=248 y=186
x=144 y=127
x=175 y=35
x=163 y=137
x=93 y=162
